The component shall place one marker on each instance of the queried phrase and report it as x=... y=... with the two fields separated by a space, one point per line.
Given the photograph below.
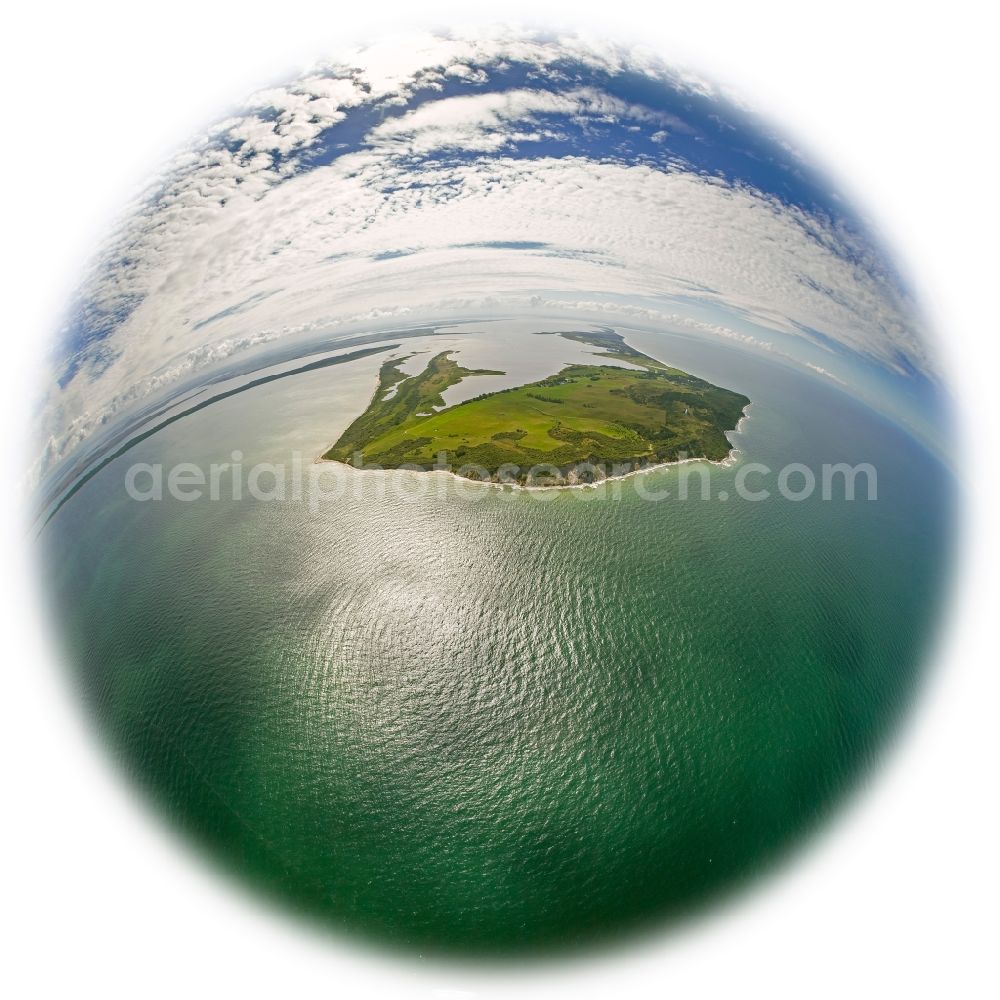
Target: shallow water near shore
x=487 y=721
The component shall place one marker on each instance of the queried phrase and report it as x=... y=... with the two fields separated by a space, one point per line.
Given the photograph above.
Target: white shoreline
x=723 y=463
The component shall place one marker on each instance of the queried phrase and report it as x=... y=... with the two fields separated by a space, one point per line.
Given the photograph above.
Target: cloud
x=823 y=371
x=494 y=120
x=245 y=238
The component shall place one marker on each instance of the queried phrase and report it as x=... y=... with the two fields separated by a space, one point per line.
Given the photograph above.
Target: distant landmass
x=584 y=423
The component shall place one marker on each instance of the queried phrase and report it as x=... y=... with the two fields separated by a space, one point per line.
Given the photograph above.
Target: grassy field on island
x=600 y=414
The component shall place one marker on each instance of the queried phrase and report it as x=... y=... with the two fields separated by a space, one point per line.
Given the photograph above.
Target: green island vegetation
x=579 y=425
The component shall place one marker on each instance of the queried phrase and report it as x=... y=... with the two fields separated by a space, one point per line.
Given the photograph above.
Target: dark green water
x=503 y=722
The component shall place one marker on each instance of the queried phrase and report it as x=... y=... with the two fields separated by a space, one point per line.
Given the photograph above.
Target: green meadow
x=598 y=414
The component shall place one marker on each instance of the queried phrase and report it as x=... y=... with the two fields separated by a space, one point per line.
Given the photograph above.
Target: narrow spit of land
x=573 y=426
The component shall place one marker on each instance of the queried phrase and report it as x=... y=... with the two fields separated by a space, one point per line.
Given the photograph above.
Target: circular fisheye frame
x=491 y=493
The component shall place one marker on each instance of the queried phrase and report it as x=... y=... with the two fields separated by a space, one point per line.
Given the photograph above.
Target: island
x=583 y=424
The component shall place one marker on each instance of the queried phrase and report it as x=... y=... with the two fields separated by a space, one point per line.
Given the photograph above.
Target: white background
x=898 y=897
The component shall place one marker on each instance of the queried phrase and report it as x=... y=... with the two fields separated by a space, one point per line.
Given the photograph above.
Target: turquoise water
x=499 y=722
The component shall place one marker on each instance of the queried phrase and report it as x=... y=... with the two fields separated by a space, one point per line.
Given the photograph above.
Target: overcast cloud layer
x=457 y=176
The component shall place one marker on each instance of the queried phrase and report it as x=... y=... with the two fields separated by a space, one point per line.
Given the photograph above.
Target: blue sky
x=472 y=176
